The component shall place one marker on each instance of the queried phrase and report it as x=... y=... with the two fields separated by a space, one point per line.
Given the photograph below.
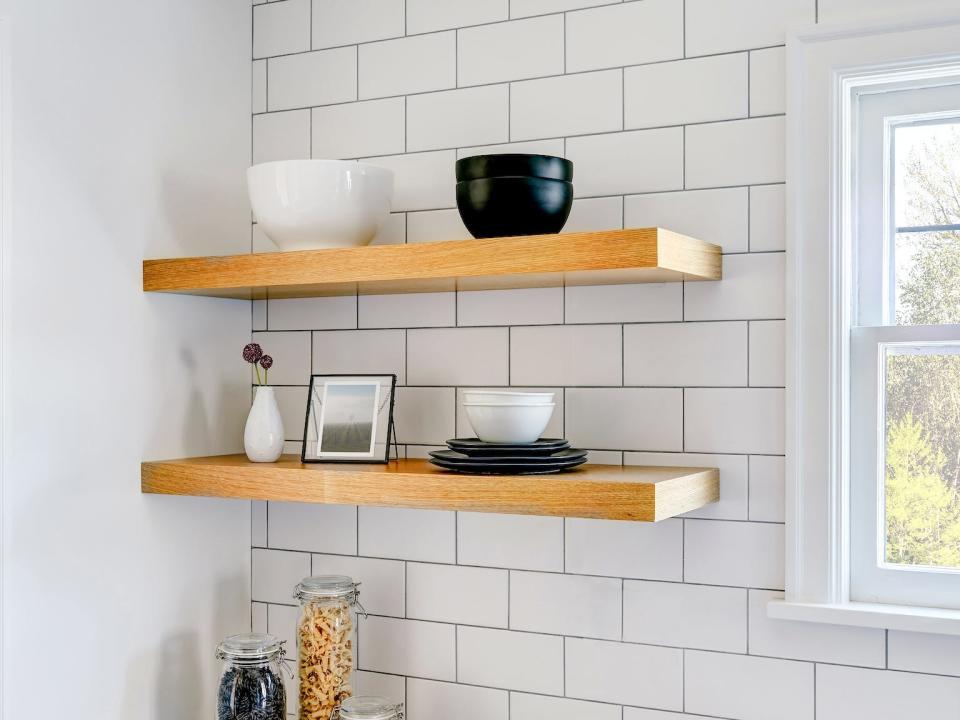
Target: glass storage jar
x=251 y=684
x=370 y=707
x=326 y=632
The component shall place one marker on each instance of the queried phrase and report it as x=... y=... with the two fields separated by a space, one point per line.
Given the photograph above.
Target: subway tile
x=258 y=523
x=510 y=51
x=360 y=351
x=524 y=306
x=291 y=357
x=458 y=356
x=281 y=28
x=259 y=87
x=737 y=152
x=686 y=91
x=688 y=616
x=625 y=418
x=768 y=223
x=554 y=355
x=319 y=313
x=510 y=660
x=308 y=526
x=733 y=480
x=259 y=314
x=407 y=65
x=538 y=707
x=382 y=581
x=281 y=136
x=274 y=574
x=656 y=161
x=421 y=181
x=430 y=700
x=717 y=26
x=685 y=354
x=647 y=714
x=393 y=231
x=323 y=77
x=282 y=623
x=565 y=604
x=768 y=81
x=767 y=488
x=292 y=402
x=591 y=214
x=644 y=302
x=856 y=10
x=742 y=554
x=525 y=542
x=747 y=688
x=552 y=146
x=923 y=652
x=436 y=226
x=360 y=129
x=627 y=674
x=407 y=647
x=370 y=683
x=621 y=548
x=716 y=216
x=470 y=116
x=407 y=310
x=847 y=693
x=624 y=34
x=836 y=644
x=566 y=105
x=400 y=533
x=348 y=22
x=767 y=353
x=525 y=8
x=258 y=617
x=749 y=420
x=424 y=415
x=430 y=15
x=448 y=593
x=753 y=288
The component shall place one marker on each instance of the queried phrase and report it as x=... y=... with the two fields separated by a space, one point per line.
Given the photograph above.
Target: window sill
x=875 y=615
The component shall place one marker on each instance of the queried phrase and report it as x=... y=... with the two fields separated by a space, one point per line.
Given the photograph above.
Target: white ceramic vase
x=263 y=434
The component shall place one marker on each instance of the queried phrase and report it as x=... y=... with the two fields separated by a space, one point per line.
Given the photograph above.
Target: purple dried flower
x=252 y=352
x=266 y=362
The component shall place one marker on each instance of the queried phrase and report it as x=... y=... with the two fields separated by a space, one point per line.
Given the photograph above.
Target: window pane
x=922 y=455
x=927 y=278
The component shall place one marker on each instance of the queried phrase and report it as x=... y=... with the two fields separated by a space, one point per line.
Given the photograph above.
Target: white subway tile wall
x=672 y=111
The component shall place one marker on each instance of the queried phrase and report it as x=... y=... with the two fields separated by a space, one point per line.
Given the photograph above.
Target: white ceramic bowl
x=309 y=204
x=508 y=423
x=507 y=397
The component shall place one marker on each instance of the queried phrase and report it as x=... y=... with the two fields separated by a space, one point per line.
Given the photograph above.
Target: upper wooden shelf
x=590 y=491
x=636 y=255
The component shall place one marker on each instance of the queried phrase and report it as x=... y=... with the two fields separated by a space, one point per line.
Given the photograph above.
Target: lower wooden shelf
x=590 y=491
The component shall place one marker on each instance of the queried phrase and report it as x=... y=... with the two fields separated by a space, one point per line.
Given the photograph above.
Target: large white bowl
x=309 y=204
x=508 y=423
x=507 y=397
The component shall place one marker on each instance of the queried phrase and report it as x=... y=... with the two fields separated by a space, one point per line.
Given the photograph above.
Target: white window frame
x=826 y=67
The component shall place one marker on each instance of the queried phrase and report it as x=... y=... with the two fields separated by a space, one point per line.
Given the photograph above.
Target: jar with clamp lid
x=370 y=707
x=251 y=683
x=326 y=637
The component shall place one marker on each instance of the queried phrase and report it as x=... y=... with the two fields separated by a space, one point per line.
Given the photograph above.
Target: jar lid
x=369 y=707
x=326 y=586
x=249 y=647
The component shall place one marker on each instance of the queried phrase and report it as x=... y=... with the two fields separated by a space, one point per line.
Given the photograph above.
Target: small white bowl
x=311 y=204
x=506 y=397
x=494 y=422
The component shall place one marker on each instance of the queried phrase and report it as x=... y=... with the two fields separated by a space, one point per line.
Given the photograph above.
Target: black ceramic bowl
x=514 y=165
x=505 y=206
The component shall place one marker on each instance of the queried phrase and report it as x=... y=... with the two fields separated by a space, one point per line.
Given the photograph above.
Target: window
x=873 y=426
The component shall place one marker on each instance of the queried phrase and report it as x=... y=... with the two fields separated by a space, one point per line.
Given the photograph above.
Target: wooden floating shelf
x=638 y=255
x=590 y=491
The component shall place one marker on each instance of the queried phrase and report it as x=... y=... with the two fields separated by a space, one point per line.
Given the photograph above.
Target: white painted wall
x=130 y=133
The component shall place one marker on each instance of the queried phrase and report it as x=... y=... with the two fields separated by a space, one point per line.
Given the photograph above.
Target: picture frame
x=349 y=418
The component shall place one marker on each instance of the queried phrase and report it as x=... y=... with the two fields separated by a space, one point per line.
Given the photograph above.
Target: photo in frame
x=349 y=418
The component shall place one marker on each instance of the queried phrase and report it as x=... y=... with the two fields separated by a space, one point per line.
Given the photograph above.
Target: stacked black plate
x=470 y=455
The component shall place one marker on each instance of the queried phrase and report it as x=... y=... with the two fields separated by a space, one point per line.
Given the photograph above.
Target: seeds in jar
x=324 y=640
